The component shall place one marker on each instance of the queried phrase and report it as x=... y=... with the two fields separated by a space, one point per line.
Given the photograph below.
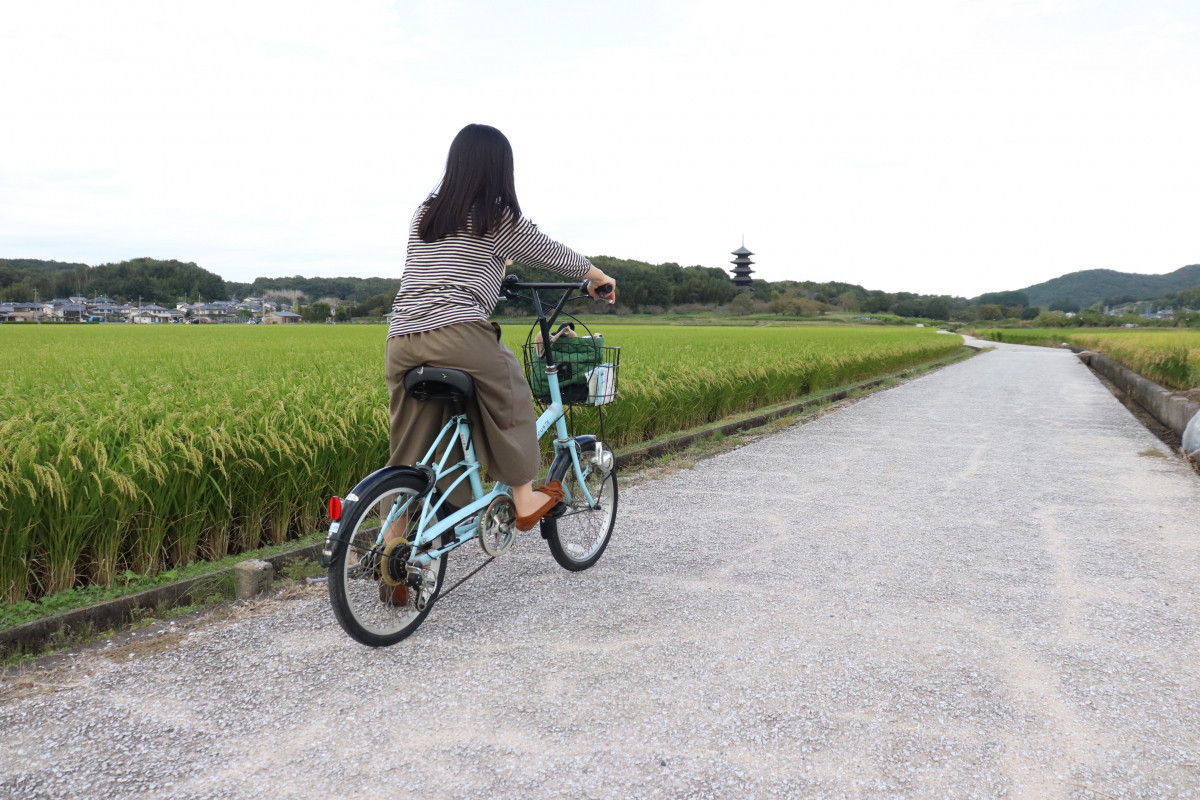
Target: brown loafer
x=554 y=491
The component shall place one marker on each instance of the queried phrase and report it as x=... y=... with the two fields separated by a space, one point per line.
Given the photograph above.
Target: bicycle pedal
x=559 y=510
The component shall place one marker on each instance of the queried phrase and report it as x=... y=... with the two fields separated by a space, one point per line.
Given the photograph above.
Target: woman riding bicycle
x=459 y=242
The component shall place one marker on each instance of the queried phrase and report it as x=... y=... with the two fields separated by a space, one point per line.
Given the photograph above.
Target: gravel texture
x=977 y=584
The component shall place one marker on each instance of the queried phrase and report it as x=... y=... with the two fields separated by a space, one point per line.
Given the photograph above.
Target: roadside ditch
x=1164 y=412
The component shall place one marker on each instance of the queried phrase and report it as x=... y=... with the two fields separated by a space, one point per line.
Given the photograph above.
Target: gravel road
x=982 y=583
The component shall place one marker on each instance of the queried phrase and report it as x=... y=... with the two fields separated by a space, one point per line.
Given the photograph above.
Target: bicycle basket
x=587 y=370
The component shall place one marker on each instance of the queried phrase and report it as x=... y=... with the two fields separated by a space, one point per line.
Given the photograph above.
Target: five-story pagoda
x=741 y=267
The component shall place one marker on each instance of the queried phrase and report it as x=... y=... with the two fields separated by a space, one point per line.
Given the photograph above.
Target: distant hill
x=149 y=279
x=1092 y=286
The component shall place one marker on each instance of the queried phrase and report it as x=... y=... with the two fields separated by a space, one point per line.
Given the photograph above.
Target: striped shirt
x=457 y=279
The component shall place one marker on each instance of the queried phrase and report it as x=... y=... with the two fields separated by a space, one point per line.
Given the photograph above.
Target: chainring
x=498 y=526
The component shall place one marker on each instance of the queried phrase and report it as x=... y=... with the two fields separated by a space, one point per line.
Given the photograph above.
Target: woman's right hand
x=597 y=279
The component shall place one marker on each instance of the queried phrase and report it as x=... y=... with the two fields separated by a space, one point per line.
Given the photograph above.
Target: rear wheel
x=377 y=598
x=578 y=537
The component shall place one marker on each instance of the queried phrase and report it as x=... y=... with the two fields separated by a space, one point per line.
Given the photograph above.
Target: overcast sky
x=937 y=146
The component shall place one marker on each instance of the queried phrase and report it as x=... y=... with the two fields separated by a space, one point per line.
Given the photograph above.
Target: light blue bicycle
x=381 y=592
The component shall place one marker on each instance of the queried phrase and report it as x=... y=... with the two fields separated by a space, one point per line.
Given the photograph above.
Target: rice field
x=144 y=448
x=1170 y=358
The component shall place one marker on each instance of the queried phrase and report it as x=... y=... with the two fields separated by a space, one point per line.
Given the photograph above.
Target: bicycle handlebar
x=517 y=283
x=512 y=284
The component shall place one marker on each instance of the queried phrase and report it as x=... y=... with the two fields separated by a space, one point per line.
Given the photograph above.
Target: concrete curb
x=1172 y=409
x=121 y=610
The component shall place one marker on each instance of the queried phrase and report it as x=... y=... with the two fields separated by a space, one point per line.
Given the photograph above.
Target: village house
x=258 y=305
x=109 y=311
x=22 y=312
x=280 y=318
x=152 y=314
x=71 y=312
x=213 y=312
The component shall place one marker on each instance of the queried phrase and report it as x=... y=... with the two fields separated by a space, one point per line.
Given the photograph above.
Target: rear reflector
x=335 y=508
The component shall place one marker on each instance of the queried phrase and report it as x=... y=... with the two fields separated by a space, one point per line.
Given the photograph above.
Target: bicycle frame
x=465 y=522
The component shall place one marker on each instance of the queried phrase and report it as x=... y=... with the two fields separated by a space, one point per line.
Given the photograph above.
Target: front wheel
x=377 y=597
x=578 y=537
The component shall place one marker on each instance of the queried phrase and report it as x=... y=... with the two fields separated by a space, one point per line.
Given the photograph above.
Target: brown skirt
x=503 y=422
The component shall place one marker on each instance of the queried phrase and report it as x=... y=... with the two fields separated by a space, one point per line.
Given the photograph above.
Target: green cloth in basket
x=582 y=355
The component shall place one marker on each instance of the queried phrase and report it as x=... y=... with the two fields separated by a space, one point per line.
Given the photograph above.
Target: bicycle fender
x=365 y=488
x=562 y=461
x=562 y=464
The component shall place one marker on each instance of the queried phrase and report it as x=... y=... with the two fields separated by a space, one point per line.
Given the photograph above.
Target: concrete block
x=1177 y=412
x=1152 y=396
x=253 y=577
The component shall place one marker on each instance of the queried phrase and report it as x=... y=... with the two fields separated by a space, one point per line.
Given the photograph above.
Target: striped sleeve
x=525 y=244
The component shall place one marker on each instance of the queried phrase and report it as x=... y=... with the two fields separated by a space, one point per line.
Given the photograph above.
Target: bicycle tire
x=580 y=536
x=355 y=588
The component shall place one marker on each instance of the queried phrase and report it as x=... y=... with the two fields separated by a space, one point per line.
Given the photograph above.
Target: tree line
x=152 y=280
x=644 y=288
x=342 y=290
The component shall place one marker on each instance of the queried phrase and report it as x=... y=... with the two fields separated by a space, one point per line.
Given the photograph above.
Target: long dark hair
x=477 y=189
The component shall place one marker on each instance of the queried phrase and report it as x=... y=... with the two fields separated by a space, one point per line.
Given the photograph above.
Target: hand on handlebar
x=603 y=288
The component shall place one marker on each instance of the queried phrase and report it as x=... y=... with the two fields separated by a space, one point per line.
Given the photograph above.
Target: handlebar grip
x=605 y=290
x=508 y=288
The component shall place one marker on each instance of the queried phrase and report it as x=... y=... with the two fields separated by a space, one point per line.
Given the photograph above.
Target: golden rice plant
x=1170 y=358
x=673 y=378
x=145 y=447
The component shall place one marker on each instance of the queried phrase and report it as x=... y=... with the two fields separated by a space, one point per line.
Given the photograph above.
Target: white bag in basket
x=602 y=384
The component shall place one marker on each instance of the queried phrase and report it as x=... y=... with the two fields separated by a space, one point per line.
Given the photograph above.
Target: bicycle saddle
x=439 y=383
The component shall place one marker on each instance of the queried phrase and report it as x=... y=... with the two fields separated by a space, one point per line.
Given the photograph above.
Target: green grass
x=134 y=450
x=129 y=582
